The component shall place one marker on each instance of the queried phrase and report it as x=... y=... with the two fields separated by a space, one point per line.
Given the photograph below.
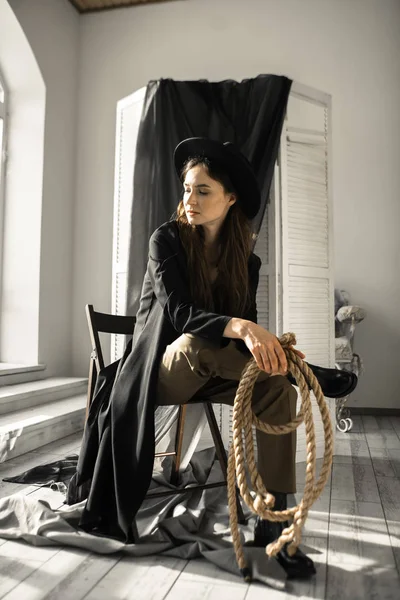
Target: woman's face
x=204 y=199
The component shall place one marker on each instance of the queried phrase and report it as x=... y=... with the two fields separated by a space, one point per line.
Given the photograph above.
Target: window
x=3 y=129
x=2 y=141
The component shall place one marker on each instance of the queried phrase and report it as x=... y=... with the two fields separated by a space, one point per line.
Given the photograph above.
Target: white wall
x=23 y=178
x=349 y=49
x=52 y=29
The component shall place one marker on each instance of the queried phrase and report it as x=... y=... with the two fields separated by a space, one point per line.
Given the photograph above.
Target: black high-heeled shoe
x=298 y=566
x=335 y=383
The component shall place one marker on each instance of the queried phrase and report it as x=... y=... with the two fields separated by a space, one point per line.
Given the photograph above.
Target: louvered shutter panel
x=129 y=112
x=307 y=273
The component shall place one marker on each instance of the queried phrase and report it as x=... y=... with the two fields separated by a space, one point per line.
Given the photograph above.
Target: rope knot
x=287 y=339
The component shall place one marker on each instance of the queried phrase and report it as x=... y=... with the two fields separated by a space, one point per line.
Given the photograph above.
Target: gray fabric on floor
x=186 y=526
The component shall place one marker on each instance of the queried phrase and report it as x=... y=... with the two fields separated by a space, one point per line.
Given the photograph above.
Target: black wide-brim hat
x=228 y=157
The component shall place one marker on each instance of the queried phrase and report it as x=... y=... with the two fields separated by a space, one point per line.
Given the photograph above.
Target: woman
x=220 y=196
x=195 y=331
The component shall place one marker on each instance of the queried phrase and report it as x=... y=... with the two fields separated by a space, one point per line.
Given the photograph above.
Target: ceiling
x=86 y=6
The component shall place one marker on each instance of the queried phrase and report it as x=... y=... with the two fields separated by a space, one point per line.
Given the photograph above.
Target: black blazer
x=118 y=444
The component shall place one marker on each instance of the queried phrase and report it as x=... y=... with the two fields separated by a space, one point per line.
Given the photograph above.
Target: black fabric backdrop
x=249 y=113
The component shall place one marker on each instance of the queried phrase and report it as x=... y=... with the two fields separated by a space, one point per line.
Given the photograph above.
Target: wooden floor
x=352 y=534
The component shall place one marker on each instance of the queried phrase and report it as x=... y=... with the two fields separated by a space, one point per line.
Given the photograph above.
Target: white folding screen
x=306 y=243
x=129 y=111
x=296 y=290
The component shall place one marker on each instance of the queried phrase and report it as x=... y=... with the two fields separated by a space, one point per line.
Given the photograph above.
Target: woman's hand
x=266 y=349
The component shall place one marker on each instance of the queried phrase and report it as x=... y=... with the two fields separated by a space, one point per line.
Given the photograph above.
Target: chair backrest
x=103 y=323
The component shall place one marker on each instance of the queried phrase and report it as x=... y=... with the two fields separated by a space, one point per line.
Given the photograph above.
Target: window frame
x=3 y=163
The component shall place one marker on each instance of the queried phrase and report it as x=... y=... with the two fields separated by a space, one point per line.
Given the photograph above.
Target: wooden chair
x=124 y=325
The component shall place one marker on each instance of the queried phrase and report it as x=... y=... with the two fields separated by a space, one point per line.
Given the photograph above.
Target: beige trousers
x=195 y=370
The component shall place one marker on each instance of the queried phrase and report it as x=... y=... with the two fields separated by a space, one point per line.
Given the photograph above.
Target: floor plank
x=382 y=439
x=395 y=421
x=13 y=571
x=78 y=583
x=138 y=579
x=389 y=489
x=349 y=581
x=343 y=487
x=392 y=515
x=68 y=445
x=39 y=585
x=350 y=435
x=358 y=425
x=394 y=456
x=185 y=588
x=352 y=451
x=358 y=535
x=370 y=423
x=384 y=423
x=18 y=561
x=365 y=485
x=201 y=579
x=381 y=462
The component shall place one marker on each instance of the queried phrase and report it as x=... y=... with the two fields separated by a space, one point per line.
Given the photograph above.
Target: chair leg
x=178 y=444
x=221 y=454
x=91 y=385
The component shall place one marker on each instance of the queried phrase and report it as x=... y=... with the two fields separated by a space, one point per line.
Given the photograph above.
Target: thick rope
x=257 y=498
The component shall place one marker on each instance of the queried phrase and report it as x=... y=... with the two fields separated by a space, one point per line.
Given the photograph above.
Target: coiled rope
x=260 y=501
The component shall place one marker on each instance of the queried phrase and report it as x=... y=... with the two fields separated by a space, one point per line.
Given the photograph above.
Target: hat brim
x=230 y=160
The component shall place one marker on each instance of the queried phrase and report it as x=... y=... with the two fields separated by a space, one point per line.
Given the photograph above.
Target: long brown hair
x=231 y=291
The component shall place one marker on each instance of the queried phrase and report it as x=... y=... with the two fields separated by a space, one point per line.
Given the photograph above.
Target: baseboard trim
x=376 y=412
